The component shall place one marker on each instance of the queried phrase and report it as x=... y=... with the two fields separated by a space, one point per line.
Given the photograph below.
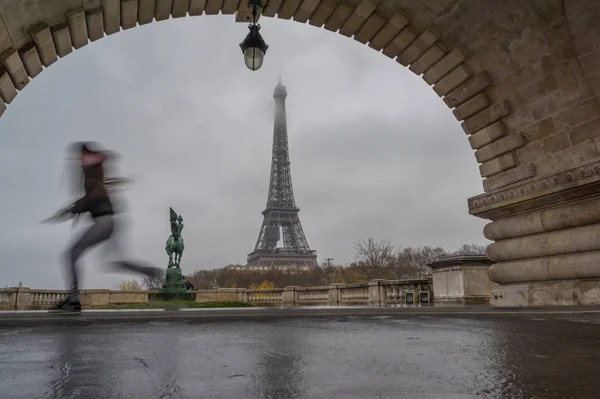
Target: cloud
x=373 y=149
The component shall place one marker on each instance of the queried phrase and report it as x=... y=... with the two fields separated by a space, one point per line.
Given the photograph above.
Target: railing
x=266 y=297
x=394 y=292
x=374 y=293
x=44 y=299
x=354 y=294
x=7 y=298
x=312 y=296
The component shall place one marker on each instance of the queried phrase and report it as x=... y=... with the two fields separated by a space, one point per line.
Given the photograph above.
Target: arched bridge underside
x=522 y=76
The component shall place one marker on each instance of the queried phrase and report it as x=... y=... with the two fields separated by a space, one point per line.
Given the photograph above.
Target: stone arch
x=522 y=77
x=36 y=35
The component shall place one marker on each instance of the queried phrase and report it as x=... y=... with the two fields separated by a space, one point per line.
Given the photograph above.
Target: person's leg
x=100 y=231
x=121 y=265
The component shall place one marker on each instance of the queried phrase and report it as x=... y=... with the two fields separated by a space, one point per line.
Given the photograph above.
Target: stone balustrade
x=374 y=293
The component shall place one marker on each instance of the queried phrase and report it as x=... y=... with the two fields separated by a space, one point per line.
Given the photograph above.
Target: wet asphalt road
x=404 y=356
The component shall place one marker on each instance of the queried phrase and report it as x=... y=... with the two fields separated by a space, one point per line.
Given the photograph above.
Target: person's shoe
x=67 y=307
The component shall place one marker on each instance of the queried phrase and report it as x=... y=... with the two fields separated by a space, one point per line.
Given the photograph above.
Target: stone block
x=467 y=90
x=31 y=60
x=306 y=9
x=62 y=40
x=8 y=92
x=452 y=80
x=421 y=44
x=487 y=135
x=289 y=296
x=471 y=107
x=42 y=37
x=400 y=42
x=375 y=294
x=370 y=28
x=94 y=298
x=77 y=27
x=578 y=113
x=430 y=57
x=206 y=295
x=338 y=17
x=287 y=9
x=385 y=36
x=163 y=10
x=573 y=292
x=486 y=117
x=556 y=143
x=499 y=147
x=572 y=157
x=2 y=108
x=542 y=87
x=180 y=8
x=11 y=61
x=118 y=296
x=444 y=66
x=112 y=16
x=595 y=83
x=147 y=10
x=588 y=41
x=129 y=14
x=22 y=300
x=358 y=17
x=230 y=294
x=461 y=280
x=229 y=7
x=588 y=292
x=585 y=132
x=497 y=165
x=318 y=18
x=544 y=128
x=521 y=172
x=510 y=295
x=571 y=82
x=590 y=63
x=529 y=153
x=94 y=20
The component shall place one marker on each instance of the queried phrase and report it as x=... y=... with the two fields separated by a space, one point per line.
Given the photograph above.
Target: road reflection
x=346 y=357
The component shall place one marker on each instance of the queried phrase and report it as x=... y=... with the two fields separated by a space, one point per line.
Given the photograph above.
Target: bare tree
x=373 y=253
x=412 y=262
x=470 y=249
x=154 y=283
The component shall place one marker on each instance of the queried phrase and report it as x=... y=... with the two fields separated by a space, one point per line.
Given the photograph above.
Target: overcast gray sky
x=374 y=151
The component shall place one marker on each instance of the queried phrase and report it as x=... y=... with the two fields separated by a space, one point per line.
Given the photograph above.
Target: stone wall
x=374 y=293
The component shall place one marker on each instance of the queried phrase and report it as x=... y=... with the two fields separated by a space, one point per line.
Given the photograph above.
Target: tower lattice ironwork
x=281 y=212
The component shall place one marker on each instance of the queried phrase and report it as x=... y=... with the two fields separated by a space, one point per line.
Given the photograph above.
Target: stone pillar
x=22 y=298
x=461 y=279
x=288 y=297
x=546 y=237
x=334 y=294
x=375 y=294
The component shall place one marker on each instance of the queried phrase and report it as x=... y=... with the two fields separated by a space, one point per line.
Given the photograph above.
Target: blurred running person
x=98 y=204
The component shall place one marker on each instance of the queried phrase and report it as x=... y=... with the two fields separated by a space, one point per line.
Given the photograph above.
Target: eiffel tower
x=281 y=211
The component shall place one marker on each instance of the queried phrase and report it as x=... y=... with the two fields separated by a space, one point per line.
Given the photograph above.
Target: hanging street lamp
x=254 y=46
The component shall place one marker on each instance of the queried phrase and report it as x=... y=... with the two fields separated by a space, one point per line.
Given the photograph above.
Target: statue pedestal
x=174 y=279
x=170 y=294
x=173 y=290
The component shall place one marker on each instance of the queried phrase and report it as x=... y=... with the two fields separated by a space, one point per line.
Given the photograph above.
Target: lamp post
x=254 y=46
